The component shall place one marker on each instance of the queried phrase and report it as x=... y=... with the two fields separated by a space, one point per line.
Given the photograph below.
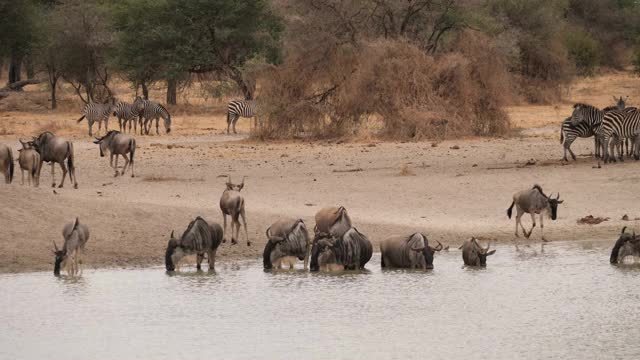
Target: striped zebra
x=152 y=110
x=569 y=133
x=616 y=126
x=240 y=108
x=128 y=113
x=97 y=112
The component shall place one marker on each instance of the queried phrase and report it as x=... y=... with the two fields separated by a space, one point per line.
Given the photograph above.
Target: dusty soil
x=388 y=187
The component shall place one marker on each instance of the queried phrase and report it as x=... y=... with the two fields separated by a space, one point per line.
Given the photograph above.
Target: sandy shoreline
x=454 y=194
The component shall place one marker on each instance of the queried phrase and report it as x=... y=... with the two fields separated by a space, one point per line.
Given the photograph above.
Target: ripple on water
x=564 y=301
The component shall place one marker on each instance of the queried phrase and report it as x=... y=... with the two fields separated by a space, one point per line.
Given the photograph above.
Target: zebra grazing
x=240 y=108
x=128 y=113
x=97 y=112
x=152 y=110
x=616 y=126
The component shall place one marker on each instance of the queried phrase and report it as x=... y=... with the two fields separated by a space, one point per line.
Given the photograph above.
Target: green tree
x=164 y=40
x=17 y=34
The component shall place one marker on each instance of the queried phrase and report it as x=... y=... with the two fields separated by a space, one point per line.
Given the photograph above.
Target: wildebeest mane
x=539 y=188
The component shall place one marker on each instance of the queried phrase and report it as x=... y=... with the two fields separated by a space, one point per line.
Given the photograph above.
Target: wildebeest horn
x=75 y=225
x=558 y=197
x=172 y=233
x=623 y=230
x=243 y=179
x=54 y=245
x=267 y=232
x=439 y=247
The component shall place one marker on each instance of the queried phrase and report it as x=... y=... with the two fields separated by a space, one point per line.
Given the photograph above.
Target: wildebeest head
x=553 y=206
x=60 y=258
x=273 y=242
x=232 y=186
x=482 y=252
x=428 y=252
x=623 y=241
x=42 y=139
x=103 y=142
x=322 y=253
x=173 y=254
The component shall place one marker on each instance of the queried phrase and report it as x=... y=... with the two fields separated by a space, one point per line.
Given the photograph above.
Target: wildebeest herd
x=336 y=244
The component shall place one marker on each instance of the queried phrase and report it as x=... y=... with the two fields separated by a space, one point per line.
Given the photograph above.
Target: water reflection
x=567 y=302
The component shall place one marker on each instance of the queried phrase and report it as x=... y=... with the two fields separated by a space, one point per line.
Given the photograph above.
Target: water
x=567 y=303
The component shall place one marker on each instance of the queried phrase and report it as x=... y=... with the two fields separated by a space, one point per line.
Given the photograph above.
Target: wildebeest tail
x=510 y=209
x=11 y=166
x=81 y=118
x=70 y=156
x=132 y=147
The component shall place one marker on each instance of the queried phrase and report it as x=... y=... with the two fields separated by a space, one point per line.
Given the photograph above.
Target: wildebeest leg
x=199 y=259
x=64 y=174
x=224 y=234
x=518 y=217
x=22 y=181
x=542 y=226
x=126 y=159
x=235 y=228
x=533 y=220
x=244 y=222
x=212 y=259
x=53 y=179
x=116 y=167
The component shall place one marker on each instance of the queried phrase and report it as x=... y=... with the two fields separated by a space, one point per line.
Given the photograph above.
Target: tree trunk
x=31 y=72
x=145 y=90
x=15 y=66
x=236 y=75
x=172 y=86
x=54 y=101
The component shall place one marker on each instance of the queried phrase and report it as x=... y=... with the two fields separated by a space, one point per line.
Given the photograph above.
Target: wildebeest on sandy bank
x=75 y=236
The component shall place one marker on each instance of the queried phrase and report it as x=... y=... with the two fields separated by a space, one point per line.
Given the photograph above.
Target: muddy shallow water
x=566 y=302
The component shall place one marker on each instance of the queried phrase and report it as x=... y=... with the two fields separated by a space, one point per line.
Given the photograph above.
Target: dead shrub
x=330 y=91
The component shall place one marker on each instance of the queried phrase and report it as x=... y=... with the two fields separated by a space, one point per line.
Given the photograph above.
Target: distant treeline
x=326 y=66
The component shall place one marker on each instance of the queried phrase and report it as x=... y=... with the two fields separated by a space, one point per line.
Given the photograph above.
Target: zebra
x=569 y=133
x=152 y=110
x=97 y=112
x=240 y=108
x=617 y=125
x=128 y=113
x=585 y=117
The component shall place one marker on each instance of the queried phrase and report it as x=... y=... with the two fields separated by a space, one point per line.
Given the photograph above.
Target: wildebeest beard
x=58 y=262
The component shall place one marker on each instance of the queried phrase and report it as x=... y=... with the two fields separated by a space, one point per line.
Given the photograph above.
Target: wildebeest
x=411 y=252
x=29 y=161
x=627 y=245
x=118 y=143
x=534 y=201
x=200 y=237
x=351 y=251
x=232 y=204
x=475 y=255
x=75 y=236
x=333 y=221
x=55 y=149
x=6 y=163
x=287 y=239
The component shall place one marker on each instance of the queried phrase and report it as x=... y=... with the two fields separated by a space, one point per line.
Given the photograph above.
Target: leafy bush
x=584 y=51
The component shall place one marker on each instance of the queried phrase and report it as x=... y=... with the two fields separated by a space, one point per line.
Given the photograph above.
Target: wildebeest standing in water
x=349 y=252
x=534 y=201
x=287 y=240
x=333 y=221
x=118 y=143
x=200 y=237
x=29 y=161
x=627 y=245
x=232 y=204
x=475 y=255
x=411 y=252
x=75 y=236
x=55 y=149
x=6 y=163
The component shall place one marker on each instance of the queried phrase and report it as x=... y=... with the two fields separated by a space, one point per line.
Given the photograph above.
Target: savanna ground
x=450 y=191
